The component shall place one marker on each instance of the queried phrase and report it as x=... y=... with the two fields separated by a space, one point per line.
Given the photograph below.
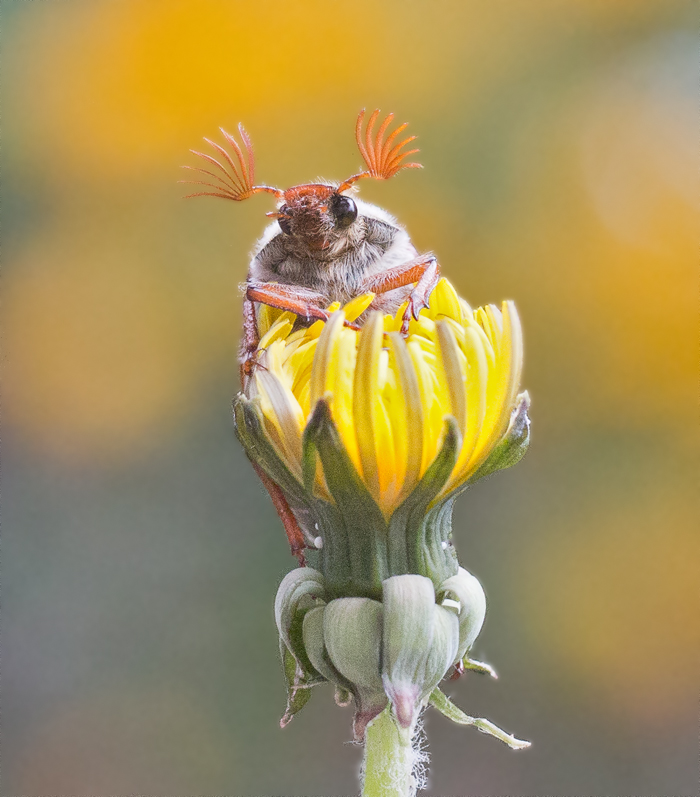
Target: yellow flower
x=369 y=435
x=389 y=396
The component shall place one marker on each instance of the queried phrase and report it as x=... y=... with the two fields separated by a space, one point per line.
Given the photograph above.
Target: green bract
x=396 y=650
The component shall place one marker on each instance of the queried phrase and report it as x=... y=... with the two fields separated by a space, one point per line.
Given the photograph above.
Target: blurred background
x=140 y=554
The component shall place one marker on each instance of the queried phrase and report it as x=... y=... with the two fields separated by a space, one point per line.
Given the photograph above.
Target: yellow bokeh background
x=557 y=140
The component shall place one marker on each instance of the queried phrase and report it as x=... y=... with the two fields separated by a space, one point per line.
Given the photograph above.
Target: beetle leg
x=291 y=527
x=249 y=346
x=304 y=303
x=249 y=342
x=420 y=295
x=425 y=273
x=300 y=301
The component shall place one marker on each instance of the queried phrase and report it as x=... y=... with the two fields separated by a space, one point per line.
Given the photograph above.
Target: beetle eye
x=344 y=209
x=285 y=224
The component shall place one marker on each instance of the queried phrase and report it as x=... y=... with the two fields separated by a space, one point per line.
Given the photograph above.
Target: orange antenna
x=236 y=181
x=383 y=157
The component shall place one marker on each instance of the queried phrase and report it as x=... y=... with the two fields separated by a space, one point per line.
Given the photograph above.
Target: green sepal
x=334 y=556
x=466 y=588
x=364 y=524
x=443 y=650
x=512 y=446
x=480 y=667
x=408 y=658
x=410 y=527
x=439 y=556
x=352 y=632
x=368 y=693
x=298 y=688
x=299 y=591
x=251 y=432
x=443 y=704
x=315 y=646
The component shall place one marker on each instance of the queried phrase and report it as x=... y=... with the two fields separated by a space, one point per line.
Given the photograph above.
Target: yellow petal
x=444 y=301
x=409 y=408
x=355 y=307
x=432 y=409
x=340 y=385
x=364 y=405
x=452 y=374
x=494 y=326
x=476 y=382
x=277 y=331
x=266 y=317
x=389 y=405
x=425 y=326
x=503 y=385
x=300 y=362
x=488 y=348
x=282 y=408
x=386 y=457
x=314 y=331
x=513 y=330
x=324 y=356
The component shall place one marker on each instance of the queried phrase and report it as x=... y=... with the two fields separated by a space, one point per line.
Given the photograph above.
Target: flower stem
x=389 y=759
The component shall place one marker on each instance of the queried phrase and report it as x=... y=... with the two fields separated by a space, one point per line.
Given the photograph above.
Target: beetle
x=325 y=245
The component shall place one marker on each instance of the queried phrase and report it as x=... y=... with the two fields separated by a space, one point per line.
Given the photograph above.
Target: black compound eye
x=344 y=209
x=285 y=224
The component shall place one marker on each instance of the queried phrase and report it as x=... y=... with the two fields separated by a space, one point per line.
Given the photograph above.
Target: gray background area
x=140 y=556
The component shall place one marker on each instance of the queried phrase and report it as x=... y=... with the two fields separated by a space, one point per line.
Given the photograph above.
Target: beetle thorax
x=373 y=243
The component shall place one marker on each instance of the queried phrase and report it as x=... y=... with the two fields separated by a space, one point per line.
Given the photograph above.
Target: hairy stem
x=389 y=759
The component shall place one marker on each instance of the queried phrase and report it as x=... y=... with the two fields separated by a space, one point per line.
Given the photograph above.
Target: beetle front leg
x=306 y=304
x=420 y=295
x=425 y=273
x=300 y=301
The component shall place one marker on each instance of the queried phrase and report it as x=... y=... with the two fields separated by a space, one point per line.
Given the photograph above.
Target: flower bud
x=370 y=433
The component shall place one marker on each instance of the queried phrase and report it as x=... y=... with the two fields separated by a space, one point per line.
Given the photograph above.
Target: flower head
x=389 y=396
x=370 y=435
